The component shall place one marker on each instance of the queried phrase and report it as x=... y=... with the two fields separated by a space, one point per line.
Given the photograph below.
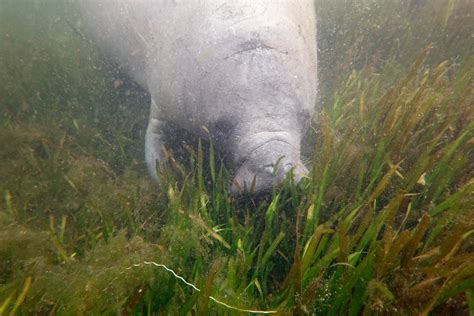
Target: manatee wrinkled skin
x=244 y=69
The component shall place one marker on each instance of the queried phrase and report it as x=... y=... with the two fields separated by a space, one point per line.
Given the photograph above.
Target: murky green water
x=383 y=224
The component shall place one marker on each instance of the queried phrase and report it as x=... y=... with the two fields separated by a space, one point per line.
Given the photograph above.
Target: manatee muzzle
x=268 y=166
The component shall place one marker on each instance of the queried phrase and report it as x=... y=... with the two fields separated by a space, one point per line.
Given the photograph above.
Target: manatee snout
x=267 y=167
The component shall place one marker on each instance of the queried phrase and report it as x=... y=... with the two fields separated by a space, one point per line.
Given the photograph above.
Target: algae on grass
x=383 y=224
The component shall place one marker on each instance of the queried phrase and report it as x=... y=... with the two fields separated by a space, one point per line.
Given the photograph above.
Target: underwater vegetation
x=383 y=224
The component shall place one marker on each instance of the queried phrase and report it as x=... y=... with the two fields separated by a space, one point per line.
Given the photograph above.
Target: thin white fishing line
x=149 y=263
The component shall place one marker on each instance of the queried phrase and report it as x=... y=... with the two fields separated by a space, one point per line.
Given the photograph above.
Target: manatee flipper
x=153 y=141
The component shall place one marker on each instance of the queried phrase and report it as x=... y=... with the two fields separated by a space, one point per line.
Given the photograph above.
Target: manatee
x=244 y=69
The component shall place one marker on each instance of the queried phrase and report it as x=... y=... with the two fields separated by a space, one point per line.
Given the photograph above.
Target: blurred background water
x=77 y=204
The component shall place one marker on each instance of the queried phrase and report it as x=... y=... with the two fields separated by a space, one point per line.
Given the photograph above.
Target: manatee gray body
x=244 y=69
